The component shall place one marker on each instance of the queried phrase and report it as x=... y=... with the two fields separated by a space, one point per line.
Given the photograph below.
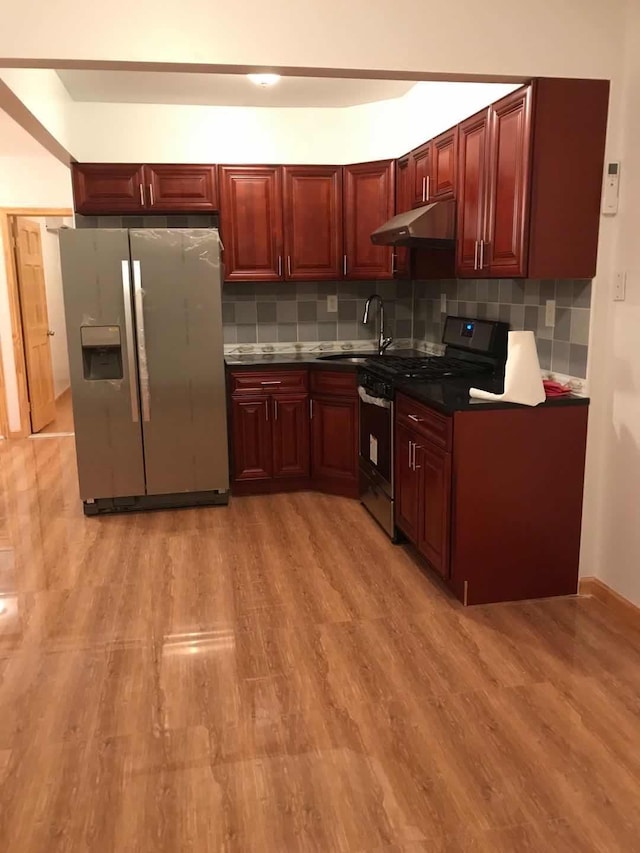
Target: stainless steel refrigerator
x=144 y=328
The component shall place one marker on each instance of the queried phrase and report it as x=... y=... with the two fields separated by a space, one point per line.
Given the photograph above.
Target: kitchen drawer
x=425 y=421
x=272 y=382
x=334 y=383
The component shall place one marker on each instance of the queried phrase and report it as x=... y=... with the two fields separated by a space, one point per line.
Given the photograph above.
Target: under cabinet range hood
x=431 y=225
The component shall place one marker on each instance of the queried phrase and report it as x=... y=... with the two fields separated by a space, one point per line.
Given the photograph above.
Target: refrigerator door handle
x=143 y=367
x=128 y=335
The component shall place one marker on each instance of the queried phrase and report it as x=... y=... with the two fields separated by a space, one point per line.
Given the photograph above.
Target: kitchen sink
x=351 y=357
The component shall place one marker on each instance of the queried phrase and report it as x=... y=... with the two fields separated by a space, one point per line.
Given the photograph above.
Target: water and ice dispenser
x=101 y=352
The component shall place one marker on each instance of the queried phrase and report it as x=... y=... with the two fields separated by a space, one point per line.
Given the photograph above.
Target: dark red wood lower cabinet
x=433 y=467
x=290 y=427
x=492 y=498
x=334 y=444
x=407 y=482
x=252 y=443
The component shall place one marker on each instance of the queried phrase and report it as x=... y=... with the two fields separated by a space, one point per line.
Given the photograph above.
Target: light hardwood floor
x=276 y=676
x=63 y=421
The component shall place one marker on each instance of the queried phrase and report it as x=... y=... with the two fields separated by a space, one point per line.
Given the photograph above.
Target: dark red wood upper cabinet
x=369 y=201
x=404 y=188
x=434 y=468
x=567 y=160
x=252 y=443
x=505 y=252
x=444 y=155
x=404 y=183
x=290 y=425
x=108 y=188
x=251 y=222
x=313 y=239
x=181 y=187
x=473 y=158
x=421 y=174
x=407 y=482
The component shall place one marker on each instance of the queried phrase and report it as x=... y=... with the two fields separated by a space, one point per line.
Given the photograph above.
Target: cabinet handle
x=475 y=256
x=310 y=409
x=280 y=265
x=481 y=254
x=151 y=195
x=271 y=382
x=414 y=418
x=289 y=265
x=141 y=195
x=410 y=465
x=344 y=265
x=266 y=410
x=393 y=263
x=416 y=447
x=428 y=187
x=275 y=410
x=424 y=189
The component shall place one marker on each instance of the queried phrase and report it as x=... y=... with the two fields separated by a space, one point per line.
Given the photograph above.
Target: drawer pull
x=272 y=382
x=415 y=418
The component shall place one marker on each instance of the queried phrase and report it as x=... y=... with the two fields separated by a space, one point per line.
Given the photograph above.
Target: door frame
x=7 y=215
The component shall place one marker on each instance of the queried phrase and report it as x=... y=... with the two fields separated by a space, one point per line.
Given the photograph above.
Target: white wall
x=55 y=303
x=201 y=134
x=571 y=37
x=44 y=95
x=39 y=181
x=615 y=434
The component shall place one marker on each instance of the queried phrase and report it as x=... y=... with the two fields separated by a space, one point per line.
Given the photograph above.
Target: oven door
x=376 y=439
x=376 y=460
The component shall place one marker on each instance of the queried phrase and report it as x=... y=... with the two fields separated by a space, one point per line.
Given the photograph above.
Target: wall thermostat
x=611 y=187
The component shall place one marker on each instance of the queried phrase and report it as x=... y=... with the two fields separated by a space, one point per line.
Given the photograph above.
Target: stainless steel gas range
x=475 y=351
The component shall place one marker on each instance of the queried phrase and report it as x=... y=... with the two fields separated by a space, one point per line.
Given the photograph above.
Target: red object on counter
x=555 y=389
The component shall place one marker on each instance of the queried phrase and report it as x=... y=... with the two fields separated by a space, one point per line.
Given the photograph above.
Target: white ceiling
x=16 y=142
x=231 y=90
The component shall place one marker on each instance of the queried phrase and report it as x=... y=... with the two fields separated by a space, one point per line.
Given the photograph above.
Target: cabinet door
x=251 y=222
x=433 y=466
x=472 y=192
x=313 y=222
x=404 y=187
x=421 y=170
x=171 y=188
x=251 y=430
x=334 y=444
x=108 y=188
x=510 y=155
x=407 y=481
x=290 y=435
x=444 y=154
x=369 y=201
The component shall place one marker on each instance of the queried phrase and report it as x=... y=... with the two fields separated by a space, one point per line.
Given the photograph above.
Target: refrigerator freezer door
x=98 y=306
x=177 y=298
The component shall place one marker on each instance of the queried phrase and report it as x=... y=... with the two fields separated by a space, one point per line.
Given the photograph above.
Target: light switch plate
x=550 y=312
x=620 y=287
x=332 y=303
x=443 y=303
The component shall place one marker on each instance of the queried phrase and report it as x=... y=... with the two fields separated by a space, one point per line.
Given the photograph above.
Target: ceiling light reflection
x=264 y=79
x=199 y=643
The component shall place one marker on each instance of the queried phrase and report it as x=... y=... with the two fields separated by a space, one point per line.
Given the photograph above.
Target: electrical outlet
x=620 y=287
x=332 y=303
x=550 y=312
x=443 y=303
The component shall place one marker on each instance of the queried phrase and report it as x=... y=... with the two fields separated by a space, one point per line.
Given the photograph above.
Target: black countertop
x=453 y=395
x=306 y=359
x=447 y=397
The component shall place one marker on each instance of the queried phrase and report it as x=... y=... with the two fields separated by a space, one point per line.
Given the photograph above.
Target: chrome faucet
x=383 y=342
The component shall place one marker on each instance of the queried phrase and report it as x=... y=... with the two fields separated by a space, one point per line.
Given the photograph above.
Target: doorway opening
x=32 y=259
